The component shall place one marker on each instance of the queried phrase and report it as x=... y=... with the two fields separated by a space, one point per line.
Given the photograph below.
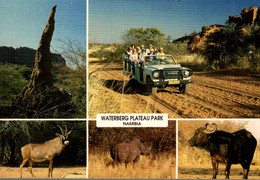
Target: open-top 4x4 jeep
x=159 y=71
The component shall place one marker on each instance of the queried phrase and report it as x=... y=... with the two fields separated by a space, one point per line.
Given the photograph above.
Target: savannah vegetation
x=231 y=47
x=71 y=77
x=15 y=134
x=160 y=163
x=195 y=163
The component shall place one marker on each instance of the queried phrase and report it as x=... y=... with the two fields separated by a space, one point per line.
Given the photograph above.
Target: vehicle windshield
x=159 y=60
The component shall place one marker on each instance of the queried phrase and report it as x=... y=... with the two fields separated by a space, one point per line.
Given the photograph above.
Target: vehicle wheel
x=184 y=89
x=149 y=87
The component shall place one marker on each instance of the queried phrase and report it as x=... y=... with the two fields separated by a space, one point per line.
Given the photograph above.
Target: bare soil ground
x=13 y=172
x=206 y=172
x=221 y=94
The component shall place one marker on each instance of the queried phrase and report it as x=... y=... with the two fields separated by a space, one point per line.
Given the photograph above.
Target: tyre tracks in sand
x=208 y=98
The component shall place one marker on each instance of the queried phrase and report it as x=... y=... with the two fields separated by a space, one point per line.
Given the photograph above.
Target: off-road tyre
x=149 y=87
x=184 y=89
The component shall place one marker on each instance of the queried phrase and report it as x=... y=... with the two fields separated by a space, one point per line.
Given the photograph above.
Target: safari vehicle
x=158 y=71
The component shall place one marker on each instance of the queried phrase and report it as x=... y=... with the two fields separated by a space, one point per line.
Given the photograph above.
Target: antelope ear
x=57 y=134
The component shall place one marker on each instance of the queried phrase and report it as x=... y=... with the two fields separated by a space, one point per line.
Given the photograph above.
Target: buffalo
x=129 y=151
x=224 y=147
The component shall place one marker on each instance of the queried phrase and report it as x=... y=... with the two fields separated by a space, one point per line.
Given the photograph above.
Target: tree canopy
x=146 y=36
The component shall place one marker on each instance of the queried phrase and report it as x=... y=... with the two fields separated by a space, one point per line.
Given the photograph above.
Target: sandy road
x=212 y=95
x=75 y=172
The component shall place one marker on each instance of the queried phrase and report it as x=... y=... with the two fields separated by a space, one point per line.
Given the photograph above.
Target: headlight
x=156 y=74
x=186 y=73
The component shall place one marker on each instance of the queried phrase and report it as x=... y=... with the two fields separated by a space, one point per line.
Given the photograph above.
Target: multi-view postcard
x=115 y=89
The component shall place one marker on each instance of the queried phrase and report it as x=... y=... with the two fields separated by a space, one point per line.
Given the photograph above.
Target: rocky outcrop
x=235 y=19
x=184 y=38
x=40 y=99
x=249 y=15
x=197 y=42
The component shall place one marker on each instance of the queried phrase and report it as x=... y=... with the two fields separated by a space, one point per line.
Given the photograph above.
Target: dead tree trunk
x=40 y=99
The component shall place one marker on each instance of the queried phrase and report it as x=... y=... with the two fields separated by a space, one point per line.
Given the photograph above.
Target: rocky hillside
x=25 y=56
x=249 y=16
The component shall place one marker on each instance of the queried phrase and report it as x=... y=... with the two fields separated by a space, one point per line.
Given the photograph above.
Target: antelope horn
x=209 y=129
x=66 y=130
x=62 y=132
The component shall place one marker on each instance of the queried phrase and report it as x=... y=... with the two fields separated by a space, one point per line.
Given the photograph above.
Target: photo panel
x=218 y=148
x=132 y=153
x=207 y=74
x=43 y=149
x=43 y=59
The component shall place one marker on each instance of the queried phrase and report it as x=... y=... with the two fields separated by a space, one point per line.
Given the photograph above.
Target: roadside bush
x=227 y=47
x=13 y=79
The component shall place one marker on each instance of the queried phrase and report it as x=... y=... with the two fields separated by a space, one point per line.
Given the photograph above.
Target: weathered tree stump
x=40 y=98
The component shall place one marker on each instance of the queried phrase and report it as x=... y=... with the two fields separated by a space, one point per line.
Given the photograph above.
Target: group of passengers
x=137 y=54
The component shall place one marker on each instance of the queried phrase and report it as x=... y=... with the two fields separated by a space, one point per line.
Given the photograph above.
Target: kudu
x=45 y=151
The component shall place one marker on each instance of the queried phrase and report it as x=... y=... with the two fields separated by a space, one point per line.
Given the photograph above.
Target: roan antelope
x=45 y=151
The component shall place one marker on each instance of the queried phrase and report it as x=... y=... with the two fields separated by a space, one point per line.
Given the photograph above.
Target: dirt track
x=226 y=94
x=212 y=95
x=13 y=172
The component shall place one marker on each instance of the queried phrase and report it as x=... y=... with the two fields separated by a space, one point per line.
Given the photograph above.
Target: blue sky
x=22 y=22
x=109 y=19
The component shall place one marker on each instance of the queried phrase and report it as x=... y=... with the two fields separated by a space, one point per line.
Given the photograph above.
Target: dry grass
x=164 y=167
x=190 y=59
x=100 y=98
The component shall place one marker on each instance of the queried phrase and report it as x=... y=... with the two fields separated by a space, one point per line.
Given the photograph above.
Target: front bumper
x=177 y=83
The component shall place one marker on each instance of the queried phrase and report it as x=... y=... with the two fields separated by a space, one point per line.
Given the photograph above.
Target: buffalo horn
x=209 y=129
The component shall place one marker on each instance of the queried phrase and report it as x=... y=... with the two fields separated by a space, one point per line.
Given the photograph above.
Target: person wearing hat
x=160 y=52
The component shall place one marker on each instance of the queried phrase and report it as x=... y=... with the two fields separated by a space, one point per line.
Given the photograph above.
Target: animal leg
x=50 y=167
x=245 y=170
x=22 y=165
x=215 y=169
x=126 y=165
x=30 y=167
x=227 y=170
x=136 y=160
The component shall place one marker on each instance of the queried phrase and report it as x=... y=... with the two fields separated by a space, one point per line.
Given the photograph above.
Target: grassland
x=162 y=166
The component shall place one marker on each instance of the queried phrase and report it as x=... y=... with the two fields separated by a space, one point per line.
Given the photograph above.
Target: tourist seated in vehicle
x=134 y=56
x=161 y=53
x=128 y=52
x=138 y=49
x=141 y=56
x=151 y=52
x=149 y=49
x=133 y=46
x=155 y=50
